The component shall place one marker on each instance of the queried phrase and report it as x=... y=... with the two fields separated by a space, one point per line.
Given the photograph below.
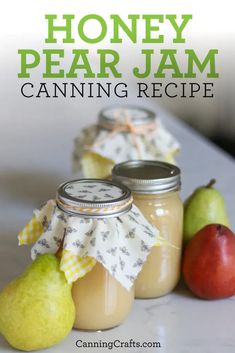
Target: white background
x=23 y=26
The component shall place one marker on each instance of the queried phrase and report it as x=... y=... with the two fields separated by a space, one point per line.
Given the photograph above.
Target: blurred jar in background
x=121 y=134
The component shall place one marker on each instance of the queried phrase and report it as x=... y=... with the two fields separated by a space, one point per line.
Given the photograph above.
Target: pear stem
x=211 y=183
x=219 y=229
x=60 y=249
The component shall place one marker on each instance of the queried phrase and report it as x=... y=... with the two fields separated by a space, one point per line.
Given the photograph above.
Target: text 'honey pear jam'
x=155 y=187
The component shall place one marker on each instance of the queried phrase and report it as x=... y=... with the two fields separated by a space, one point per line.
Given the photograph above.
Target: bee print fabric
x=121 y=244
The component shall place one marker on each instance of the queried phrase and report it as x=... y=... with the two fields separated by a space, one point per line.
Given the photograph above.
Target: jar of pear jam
x=155 y=187
x=101 y=302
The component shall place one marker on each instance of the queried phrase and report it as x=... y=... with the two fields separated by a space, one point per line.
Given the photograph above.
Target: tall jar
x=155 y=186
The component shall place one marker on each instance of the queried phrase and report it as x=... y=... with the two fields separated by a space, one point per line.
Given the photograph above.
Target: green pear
x=36 y=309
x=205 y=206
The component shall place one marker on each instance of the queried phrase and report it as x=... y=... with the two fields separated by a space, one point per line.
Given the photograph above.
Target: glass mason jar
x=155 y=187
x=101 y=302
x=122 y=133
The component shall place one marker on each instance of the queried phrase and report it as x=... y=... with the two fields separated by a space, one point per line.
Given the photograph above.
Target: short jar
x=101 y=302
x=155 y=187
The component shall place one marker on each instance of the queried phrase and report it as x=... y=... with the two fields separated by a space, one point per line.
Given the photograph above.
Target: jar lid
x=94 y=198
x=144 y=176
x=109 y=117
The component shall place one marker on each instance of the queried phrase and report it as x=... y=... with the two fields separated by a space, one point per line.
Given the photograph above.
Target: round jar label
x=94 y=191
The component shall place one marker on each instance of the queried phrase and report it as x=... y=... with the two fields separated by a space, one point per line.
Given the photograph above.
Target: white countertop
x=36 y=158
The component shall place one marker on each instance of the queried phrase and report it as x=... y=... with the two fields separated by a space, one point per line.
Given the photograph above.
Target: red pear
x=209 y=262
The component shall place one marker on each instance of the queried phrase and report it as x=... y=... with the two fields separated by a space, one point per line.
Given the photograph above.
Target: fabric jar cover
x=98 y=223
x=125 y=133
